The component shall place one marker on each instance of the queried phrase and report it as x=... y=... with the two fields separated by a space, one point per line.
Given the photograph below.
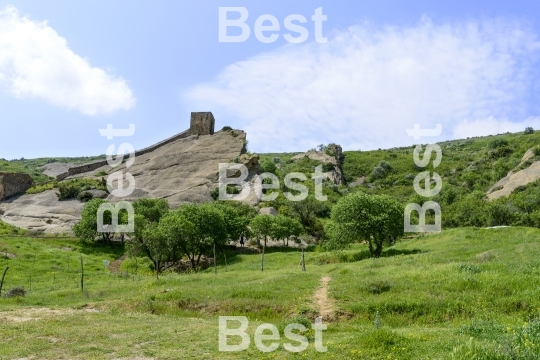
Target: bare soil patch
x=323 y=302
x=29 y=314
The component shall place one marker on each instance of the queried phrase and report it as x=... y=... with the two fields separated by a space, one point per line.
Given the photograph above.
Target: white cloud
x=367 y=85
x=37 y=62
x=493 y=126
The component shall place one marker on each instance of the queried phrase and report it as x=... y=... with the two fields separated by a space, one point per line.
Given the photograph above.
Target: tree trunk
x=262 y=258
x=303 y=261
x=2 y=282
x=378 y=249
x=82 y=274
x=215 y=267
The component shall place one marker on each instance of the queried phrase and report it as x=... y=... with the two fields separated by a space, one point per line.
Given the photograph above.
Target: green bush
x=528 y=131
x=497 y=143
x=378 y=287
x=37 y=189
x=71 y=189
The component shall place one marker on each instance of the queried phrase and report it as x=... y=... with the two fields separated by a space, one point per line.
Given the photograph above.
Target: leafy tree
x=209 y=230
x=148 y=239
x=471 y=211
x=166 y=243
x=528 y=130
x=235 y=222
x=86 y=229
x=375 y=219
x=285 y=227
x=306 y=211
x=263 y=227
x=501 y=212
x=151 y=209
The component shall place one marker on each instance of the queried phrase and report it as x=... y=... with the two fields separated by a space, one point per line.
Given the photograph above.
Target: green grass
x=6 y=229
x=438 y=292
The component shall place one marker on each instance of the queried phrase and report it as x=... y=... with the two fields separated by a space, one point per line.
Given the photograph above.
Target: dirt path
x=114 y=267
x=324 y=304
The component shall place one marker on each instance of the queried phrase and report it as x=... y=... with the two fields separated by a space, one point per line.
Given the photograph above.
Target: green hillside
x=32 y=166
x=426 y=298
x=468 y=169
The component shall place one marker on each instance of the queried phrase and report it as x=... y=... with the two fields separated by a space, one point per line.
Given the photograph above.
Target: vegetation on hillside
x=469 y=168
x=33 y=166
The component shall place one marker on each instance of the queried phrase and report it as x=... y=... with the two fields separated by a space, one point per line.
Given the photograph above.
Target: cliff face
x=184 y=170
x=14 y=183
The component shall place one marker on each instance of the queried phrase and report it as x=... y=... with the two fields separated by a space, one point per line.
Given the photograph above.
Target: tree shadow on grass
x=99 y=248
x=365 y=254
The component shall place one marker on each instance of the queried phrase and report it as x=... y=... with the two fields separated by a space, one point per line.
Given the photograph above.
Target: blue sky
x=70 y=68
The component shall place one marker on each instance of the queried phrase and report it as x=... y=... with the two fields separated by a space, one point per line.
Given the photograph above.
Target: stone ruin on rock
x=13 y=184
x=202 y=123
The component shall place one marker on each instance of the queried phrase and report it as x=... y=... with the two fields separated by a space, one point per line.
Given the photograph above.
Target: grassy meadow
x=442 y=296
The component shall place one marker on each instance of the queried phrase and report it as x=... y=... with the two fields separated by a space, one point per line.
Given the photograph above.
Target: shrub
x=378 y=173
x=84 y=196
x=497 y=143
x=528 y=130
x=267 y=165
x=101 y=173
x=378 y=287
x=71 y=189
x=536 y=150
x=470 y=268
x=37 y=189
x=230 y=190
x=15 y=292
x=500 y=152
x=327 y=167
x=226 y=128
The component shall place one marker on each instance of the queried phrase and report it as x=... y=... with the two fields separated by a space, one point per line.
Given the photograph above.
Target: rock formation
x=13 y=184
x=181 y=169
x=332 y=155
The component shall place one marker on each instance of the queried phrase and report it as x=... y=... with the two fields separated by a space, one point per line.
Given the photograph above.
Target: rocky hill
x=184 y=170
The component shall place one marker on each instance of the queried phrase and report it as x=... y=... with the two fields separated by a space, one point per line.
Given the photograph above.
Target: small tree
x=148 y=239
x=86 y=229
x=209 y=230
x=306 y=211
x=375 y=219
x=263 y=227
x=284 y=228
x=528 y=130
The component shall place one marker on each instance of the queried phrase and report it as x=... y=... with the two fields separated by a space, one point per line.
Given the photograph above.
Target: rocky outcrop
x=178 y=171
x=41 y=213
x=512 y=180
x=268 y=211
x=332 y=155
x=14 y=183
x=507 y=184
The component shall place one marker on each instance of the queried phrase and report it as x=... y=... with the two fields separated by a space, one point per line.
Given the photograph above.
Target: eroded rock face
x=41 y=212
x=507 y=184
x=182 y=171
x=333 y=155
x=512 y=180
